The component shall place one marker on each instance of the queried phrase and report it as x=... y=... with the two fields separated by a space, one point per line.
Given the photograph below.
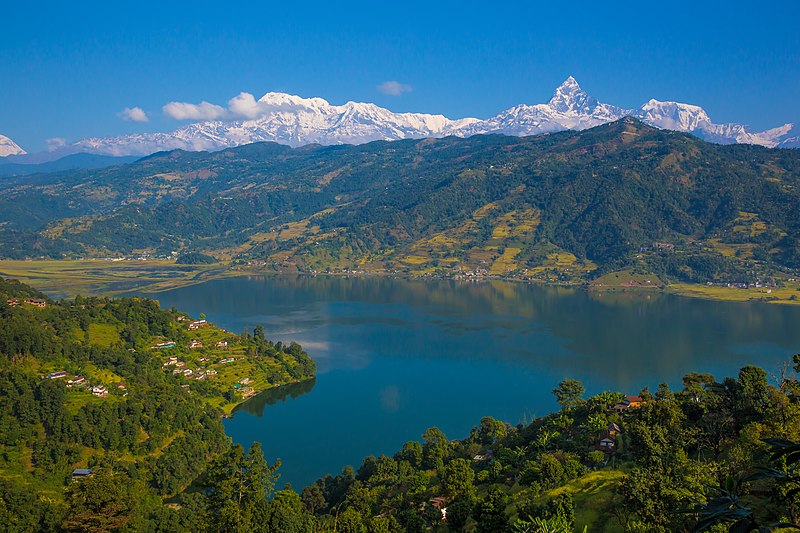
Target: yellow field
x=790 y=294
x=97 y=276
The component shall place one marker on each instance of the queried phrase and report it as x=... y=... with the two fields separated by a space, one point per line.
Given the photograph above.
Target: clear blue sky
x=68 y=69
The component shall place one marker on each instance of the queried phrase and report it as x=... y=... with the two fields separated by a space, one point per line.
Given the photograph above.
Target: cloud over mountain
x=296 y=121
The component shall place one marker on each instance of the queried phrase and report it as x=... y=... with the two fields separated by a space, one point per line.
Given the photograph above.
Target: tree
x=568 y=393
x=435 y=448
x=457 y=478
x=238 y=485
x=285 y=513
x=490 y=513
x=100 y=503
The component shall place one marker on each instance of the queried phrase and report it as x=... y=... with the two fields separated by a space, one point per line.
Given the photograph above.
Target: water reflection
x=395 y=357
x=256 y=405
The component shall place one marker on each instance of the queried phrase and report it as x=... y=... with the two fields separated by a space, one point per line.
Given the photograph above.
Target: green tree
x=490 y=513
x=100 y=503
x=568 y=393
x=239 y=484
x=457 y=478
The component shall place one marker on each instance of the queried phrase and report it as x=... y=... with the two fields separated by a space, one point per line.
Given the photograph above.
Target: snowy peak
x=570 y=98
x=674 y=116
x=298 y=121
x=9 y=147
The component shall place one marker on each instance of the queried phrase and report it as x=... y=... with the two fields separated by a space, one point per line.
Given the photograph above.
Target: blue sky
x=68 y=69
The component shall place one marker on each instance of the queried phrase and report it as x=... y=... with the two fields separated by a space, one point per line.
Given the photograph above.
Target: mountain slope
x=9 y=147
x=297 y=121
x=70 y=162
x=562 y=204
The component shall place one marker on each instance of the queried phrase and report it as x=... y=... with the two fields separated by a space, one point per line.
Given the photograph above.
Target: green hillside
x=568 y=206
x=125 y=389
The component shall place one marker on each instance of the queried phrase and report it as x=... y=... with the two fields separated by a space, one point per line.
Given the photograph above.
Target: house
x=162 y=345
x=440 y=502
x=79 y=381
x=188 y=372
x=182 y=318
x=613 y=429
x=195 y=344
x=81 y=473
x=211 y=372
x=57 y=375
x=630 y=402
x=485 y=456
x=245 y=381
x=38 y=302
x=227 y=360
x=197 y=324
x=176 y=371
x=607 y=443
x=100 y=391
x=222 y=344
x=13 y=302
x=180 y=364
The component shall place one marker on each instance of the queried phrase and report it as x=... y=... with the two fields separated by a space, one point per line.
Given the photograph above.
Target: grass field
x=87 y=277
x=788 y=294
x=593 y=494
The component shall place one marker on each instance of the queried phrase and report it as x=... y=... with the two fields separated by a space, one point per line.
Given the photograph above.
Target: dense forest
x=110 y=389
x=567 y=206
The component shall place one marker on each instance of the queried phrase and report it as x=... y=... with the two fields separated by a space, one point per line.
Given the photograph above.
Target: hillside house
x=13 y=302
x=81 y=473
x=188 y=372
x=195 y=344
x=485 y=456
x=163 y=345
x=57 y=375
x=630 y=402
x=100 y=391
x=79 y=381
x=37 y=302
x=197 y=324
x=607 y=443
x=222 y=344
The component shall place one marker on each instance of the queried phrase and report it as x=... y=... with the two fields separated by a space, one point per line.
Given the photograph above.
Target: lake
x=395 y=357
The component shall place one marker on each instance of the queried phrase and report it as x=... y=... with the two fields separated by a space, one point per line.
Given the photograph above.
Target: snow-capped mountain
x=298 y=121
x=570 y=108
x=285 y=119
x=9 y=147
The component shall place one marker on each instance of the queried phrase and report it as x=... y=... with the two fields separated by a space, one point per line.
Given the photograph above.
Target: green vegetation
x=194 y=258
x=569 y=207
x=714 y=456
x=133 y=393
x=717 y=455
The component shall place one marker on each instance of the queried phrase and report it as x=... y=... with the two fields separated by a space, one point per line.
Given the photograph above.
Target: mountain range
x=571 y=204
x=296 y=121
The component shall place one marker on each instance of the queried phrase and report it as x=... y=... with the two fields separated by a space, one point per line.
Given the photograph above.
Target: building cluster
x=80 y=382
x=36 y=302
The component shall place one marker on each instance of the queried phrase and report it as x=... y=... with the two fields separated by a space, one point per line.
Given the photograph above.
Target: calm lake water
x=395 y=357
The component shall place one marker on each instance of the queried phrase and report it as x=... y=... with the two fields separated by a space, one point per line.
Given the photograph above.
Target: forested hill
x=131 y=392
x=572 y=204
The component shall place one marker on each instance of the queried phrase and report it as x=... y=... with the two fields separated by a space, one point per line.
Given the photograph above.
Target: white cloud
x=201 y=111
x=55 y=143
x=245 y=105
x=135 y=114
x=394 y=88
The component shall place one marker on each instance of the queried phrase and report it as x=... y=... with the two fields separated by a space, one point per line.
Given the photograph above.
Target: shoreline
x=67 y=278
